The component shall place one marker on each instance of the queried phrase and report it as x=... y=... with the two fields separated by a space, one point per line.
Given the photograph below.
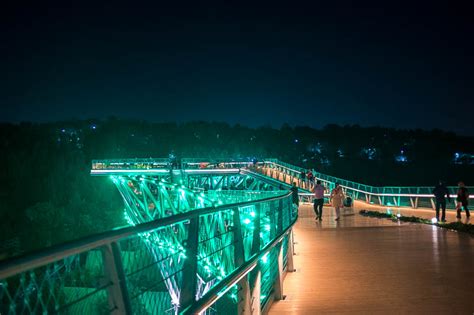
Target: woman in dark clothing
x=462 y=200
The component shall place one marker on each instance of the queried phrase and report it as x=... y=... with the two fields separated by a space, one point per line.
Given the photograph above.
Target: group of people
x=307 y=176
x=338 y=198
x=441 y=193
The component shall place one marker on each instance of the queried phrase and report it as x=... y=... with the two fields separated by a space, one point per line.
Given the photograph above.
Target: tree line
x=48 y=196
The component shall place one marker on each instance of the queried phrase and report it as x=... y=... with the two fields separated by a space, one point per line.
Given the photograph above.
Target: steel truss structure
x=188 y=250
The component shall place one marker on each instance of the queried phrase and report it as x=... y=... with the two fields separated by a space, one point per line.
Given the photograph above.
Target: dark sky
x=310 y=64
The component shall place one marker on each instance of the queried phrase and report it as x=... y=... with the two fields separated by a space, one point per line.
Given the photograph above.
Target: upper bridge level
x=392 y=196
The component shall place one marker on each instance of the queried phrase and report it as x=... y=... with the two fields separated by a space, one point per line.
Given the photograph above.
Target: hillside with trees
x=48 y=196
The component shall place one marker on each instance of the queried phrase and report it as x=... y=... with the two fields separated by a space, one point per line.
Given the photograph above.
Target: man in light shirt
x=319 y=199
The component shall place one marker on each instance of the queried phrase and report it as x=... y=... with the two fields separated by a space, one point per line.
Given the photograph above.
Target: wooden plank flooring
x=363 y=265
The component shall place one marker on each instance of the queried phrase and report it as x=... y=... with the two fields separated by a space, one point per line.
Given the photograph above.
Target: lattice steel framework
x=219 y=259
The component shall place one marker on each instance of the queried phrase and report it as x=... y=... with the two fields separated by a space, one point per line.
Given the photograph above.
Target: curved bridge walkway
x=363 y=265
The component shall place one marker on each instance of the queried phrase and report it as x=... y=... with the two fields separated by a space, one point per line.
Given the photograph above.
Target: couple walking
x=336 y=198
x=441 y=193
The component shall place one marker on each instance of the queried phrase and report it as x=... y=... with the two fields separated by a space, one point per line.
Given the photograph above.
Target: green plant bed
x=455 y=226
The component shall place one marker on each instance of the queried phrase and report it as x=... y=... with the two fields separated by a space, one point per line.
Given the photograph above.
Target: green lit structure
x=211 y=237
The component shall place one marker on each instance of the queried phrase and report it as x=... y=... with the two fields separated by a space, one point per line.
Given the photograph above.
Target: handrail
x=43 y=257
x=321 y=176
x=213 y=295
x=263 y=177
x=288 y=166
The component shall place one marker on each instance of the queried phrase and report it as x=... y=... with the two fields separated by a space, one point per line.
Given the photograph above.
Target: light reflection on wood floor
x=363 y=265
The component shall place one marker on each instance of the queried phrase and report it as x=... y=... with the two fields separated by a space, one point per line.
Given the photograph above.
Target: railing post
x=243 y=296
x=256 y=307
x=280 y=216
x=119 y=301
x=189 y=279
x=290 y=252
x=278 y=285
x=256 y=229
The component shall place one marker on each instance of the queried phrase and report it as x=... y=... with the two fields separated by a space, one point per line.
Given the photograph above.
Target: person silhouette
x=441 y=193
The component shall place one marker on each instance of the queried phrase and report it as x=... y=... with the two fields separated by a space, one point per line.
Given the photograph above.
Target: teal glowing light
x=151 y=196
x=128 y=218
x=264 y=259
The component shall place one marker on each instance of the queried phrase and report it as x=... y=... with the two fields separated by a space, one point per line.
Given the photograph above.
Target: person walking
x=318 y=200
x=462 y=200
x=302 y=178
x=337 y=199
x=441 y=193
x=294 y=196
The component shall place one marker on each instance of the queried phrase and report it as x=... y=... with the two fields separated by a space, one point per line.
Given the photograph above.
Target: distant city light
x=401 y=158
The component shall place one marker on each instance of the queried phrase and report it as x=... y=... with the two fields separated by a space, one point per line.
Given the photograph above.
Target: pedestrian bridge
x=204 y=237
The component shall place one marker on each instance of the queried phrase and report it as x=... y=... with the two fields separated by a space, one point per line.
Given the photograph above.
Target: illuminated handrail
x=374 y=190
x=108 y=244
x=413 y=197
x=213 y=295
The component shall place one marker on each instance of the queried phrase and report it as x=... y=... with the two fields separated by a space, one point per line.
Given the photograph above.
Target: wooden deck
x=363 y=265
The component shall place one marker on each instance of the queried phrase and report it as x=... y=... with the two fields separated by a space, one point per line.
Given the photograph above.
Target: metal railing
x=413 y=197
x=397 y=196
x=207 y=260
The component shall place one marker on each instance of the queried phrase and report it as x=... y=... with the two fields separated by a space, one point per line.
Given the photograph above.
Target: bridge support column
x=119 y=300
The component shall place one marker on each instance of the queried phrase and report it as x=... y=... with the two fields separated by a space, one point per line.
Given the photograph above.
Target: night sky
x=313 y=64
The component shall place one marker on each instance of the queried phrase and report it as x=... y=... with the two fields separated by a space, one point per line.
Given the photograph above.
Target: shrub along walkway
x=363 y=265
